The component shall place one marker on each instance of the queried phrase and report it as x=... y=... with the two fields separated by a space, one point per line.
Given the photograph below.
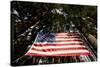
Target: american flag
x=58 y=44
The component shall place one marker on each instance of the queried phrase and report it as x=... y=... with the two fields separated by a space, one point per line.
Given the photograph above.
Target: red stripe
x=67 y=37
x=67 y=34
x=68 y=40
x=69 y=54
x=58 y=49
x=40 y=45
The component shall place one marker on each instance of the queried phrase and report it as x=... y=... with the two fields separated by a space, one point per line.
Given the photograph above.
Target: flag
x=58 y=44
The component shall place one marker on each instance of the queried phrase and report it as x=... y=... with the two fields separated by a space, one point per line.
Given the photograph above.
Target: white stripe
x=55 y=47
x=69 y=42
x=75 y=42
x=68 y=39
x=59 y=52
